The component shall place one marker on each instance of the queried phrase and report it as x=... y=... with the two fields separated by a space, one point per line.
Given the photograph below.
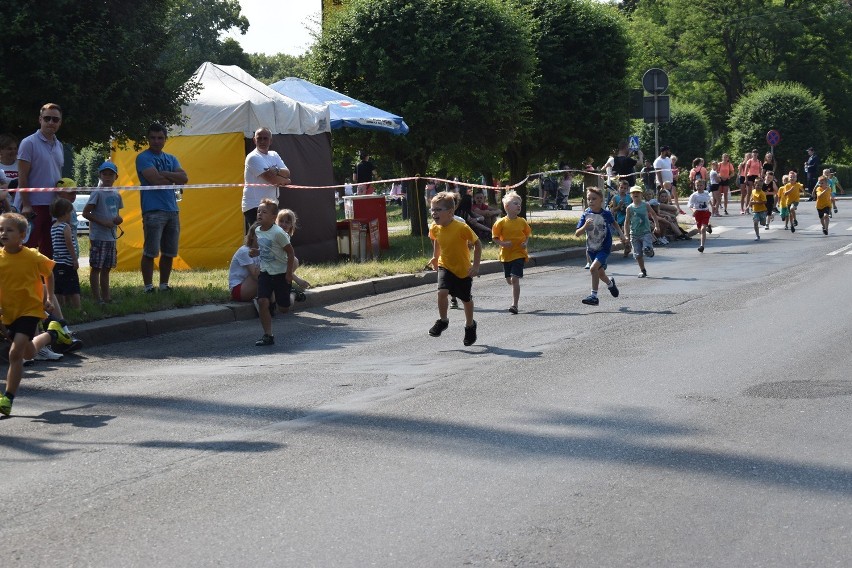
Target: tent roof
x=345 y=111
x=231 y=100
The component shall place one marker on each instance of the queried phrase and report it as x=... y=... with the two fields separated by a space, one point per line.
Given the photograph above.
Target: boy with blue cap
x=104 y=223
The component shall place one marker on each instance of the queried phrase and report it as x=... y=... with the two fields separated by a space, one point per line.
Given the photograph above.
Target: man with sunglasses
x=40 y=161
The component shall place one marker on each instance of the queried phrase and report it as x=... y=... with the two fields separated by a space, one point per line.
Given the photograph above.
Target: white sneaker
x=664 y=240
x=47 y=354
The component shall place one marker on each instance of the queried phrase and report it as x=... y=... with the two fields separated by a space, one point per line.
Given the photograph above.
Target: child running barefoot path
x=511 y=234
x=277 y=263
x=597 y=224
x=451 y=258
x=26 y=291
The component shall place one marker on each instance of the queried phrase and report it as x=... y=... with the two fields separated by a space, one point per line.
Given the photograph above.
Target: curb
x=141 y=326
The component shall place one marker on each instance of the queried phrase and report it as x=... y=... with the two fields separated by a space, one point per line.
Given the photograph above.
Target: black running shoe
x=470 y=334
x=438 y=328
x=613 y=289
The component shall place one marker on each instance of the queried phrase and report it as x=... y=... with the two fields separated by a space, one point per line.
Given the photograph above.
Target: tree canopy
x=459 y=71
x=113 y=66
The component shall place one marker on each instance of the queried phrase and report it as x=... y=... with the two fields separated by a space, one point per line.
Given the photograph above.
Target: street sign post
x=773 y=137
x=656 y=107
x=633 y=144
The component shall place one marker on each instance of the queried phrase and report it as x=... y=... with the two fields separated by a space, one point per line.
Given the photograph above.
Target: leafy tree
x=718 y=50
x=458 y=71
x=579 y=104
x=791 y=109
x=113 y=66
x=271 y=68
x=686 y=133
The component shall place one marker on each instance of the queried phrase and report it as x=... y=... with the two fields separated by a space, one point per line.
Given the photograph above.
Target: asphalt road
x=700 y=419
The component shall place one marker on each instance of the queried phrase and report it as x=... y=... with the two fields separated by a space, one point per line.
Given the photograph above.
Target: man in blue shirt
x=160 y=215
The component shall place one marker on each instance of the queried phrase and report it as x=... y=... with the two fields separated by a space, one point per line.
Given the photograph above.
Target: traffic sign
x=633 y=144
x=655 y=81
x=657 y=109
x=773 y=137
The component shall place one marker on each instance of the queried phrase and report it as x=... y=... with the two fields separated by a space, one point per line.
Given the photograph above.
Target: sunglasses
x=49 y=118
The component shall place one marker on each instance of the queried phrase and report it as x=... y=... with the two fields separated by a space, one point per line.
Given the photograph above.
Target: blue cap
x=108 y=166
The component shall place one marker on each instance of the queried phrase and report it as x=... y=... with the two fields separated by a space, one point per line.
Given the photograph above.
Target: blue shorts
x=600 y=255
x=514 y=268
x=759 y=217
x=162 y=233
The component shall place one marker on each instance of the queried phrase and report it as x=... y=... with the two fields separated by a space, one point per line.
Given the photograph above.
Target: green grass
x=407 y=254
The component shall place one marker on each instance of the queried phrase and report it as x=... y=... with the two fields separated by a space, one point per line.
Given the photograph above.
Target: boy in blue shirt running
x=597 y=224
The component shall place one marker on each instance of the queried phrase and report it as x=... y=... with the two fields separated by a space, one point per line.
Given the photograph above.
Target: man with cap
x=812 y=171
x=40 y=161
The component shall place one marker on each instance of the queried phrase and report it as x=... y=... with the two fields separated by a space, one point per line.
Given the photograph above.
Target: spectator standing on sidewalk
x=160 y=214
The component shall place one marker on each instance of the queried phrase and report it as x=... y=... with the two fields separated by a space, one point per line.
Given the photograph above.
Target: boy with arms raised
x=597 y=224
x=511 y=234
x=451 y=258
x=26 y=291
x=638 y=219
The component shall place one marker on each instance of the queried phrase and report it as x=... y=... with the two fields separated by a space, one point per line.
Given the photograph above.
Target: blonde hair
x=446 y=198
x=251 y=235
x=19 y=220
x=290 y=215
x=510 y=196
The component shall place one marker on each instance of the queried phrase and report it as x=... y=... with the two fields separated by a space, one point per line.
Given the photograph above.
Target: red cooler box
x=369 y=207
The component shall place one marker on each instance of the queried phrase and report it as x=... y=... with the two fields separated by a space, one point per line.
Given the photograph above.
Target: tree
x=113 y=66
x=271 y=68
x=791 y=109
x=718 y=50
x=686 y=133
x=579 y=104
x=458 y=71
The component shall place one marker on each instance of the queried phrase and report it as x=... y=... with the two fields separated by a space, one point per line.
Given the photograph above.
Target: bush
x=686 y=134
x=789 y=108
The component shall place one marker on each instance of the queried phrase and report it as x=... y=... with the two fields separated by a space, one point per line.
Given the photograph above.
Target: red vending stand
x=369 y=207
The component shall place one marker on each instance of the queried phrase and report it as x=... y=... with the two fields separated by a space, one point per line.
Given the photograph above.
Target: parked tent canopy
x=211 y=146
x=344 y=110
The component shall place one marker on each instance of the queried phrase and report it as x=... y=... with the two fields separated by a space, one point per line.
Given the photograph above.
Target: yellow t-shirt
x=823 y=197
x=794 y=192
x=21 y=286
x=453 y=240
x=516 y=230
x=758 y=200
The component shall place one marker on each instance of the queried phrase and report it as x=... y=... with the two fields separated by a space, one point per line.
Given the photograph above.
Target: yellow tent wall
x=211 y=228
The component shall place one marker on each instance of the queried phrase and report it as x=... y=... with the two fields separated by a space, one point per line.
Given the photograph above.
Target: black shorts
x=725 y=182
x=824 y=211
x=751 y=178
x=268 y=284
x=66 y=282
x=27 y=325
x=458 y=287
x=715 y=186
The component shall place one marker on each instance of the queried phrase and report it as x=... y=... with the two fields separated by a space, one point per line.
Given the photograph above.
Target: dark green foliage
x=458 y=71
x=791 y=109
x=271 y=68
x=86 y=164
x=114 y=66
x=686 y=134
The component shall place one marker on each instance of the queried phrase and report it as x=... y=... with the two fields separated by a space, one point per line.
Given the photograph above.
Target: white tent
x=231 y=100
x=212 y=145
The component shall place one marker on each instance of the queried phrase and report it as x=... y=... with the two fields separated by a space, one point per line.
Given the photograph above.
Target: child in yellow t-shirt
x=789 y=195
x=823 y=202
x=26 y=291
x=451 y=258
x=758 y=206
x=511 y=234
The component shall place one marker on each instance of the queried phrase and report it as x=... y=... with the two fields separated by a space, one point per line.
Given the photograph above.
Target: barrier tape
x=295 y=186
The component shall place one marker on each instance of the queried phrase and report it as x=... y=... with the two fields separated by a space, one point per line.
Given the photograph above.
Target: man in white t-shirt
x=663 y=166
x=263 y=166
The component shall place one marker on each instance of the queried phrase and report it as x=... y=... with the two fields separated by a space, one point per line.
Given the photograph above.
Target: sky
x=278 y=26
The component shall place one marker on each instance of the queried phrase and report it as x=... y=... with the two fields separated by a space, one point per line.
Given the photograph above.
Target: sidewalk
x=139 y=326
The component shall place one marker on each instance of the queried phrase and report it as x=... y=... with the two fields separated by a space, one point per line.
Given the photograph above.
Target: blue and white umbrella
x=345 y=111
